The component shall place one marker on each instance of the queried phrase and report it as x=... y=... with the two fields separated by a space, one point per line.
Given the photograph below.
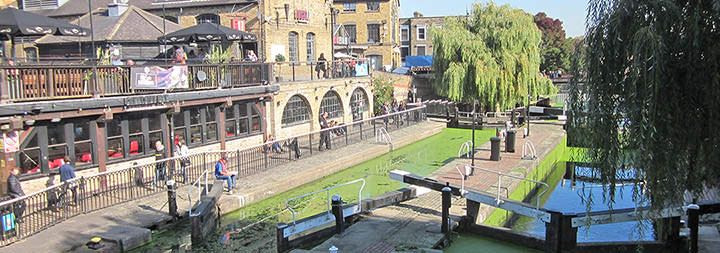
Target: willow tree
x=651 y=100
x=491 y=57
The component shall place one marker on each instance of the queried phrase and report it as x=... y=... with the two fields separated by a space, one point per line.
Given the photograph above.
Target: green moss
x=550 y=171
x=468 y=242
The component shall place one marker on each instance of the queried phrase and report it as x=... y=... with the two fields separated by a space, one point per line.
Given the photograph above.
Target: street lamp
x=528 y=115
x=472 y=152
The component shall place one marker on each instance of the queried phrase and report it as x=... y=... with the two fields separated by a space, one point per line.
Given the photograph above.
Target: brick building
x=415 y=34
x=373 y=29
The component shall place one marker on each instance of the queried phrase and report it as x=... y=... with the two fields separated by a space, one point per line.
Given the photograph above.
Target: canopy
x=341 y=55
x=419 y=61
x=17 y=23
x=207 y=32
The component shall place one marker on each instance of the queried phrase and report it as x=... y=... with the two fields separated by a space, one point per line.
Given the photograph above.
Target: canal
x=422 y=158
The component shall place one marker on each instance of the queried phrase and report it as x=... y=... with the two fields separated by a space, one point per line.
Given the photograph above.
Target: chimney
x=417 y=14
x=117 y=8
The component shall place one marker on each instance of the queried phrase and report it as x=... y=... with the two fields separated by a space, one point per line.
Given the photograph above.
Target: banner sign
x=238 y=24
x=11 y=142
x=157 y=78
x=361 y=69
x=301 y=16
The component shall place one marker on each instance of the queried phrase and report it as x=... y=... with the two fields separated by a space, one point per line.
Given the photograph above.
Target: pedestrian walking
x=160 y=167
x=325 y=134
x=15 y=191
x=321 y=66
x=181 y=150
x=67 y=172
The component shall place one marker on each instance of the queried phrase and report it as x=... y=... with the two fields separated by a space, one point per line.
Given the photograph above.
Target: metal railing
x=327 y=190
x=196 y=184
x=465 y=149
x=314 y=70
x=528 y=151
x=500 y=175
x=383 y=137
x=42 y=82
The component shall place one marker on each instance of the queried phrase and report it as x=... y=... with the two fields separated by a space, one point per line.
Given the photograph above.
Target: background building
x=415 y=34
x=373 y=29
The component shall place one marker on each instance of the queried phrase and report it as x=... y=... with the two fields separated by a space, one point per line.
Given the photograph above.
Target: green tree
x=383 y=92
x=651 y=97
x=553 y=52
x=491 y=57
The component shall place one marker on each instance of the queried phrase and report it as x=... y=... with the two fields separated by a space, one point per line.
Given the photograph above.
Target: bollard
x=446 y=191
x=338 y=212
x=693 y=223
x=172 y=200
x=282 y=242
x=510 y=141
x=495 y=149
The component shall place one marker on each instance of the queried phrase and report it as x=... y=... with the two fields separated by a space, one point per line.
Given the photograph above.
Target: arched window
x=296 y=111
x=310 y=47
x=358 y=103
x=332 y=105
x=208 y=18
x=293 y=46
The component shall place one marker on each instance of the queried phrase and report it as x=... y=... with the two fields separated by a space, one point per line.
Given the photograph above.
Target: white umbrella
x=342 y=55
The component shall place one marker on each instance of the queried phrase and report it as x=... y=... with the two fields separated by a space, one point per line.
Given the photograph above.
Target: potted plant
x=279 y=58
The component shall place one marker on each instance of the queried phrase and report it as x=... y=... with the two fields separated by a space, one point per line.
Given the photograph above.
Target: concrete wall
x=313 y=92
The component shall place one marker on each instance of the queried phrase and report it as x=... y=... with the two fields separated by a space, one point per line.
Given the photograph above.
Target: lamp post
x=472 y=152
x=528 y=115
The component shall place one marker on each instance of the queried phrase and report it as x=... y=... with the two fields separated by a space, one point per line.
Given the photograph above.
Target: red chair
x=116 y=155
x=56 y=163
x=134 y=148
x=36 y=169
x=87 y=157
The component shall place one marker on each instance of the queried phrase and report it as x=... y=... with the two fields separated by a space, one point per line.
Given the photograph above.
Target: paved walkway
x=136 y=217
x=415 y=224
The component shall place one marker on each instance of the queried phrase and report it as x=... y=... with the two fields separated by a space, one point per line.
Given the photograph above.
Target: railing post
x=293 y=70
x=311 y=146
x=374 y=130
x=311 y=71
x=337 y=210
x=446 y=191
x=237 y=157
x=83 y=190
x=361 y=131
x=50 y=81
x=266 y=158
x=346 y=137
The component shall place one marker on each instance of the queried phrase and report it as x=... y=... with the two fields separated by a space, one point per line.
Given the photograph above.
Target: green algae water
x=422 y=158
x=467 y=242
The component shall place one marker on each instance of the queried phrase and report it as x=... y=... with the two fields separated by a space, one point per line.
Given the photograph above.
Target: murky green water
x=467 y=242
x=422 y=158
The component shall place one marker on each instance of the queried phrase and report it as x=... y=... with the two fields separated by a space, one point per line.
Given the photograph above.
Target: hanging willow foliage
x=491 y=57
x=651 y=100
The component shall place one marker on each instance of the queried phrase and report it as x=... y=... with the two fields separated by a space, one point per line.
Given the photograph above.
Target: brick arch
x=366 y=100
x=292 y=101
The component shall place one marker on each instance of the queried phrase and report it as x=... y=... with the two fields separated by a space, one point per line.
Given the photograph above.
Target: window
x=83 y=144
x=376 y=62
x=332 y=105
x=352 y=34
x=293 y=46
x=29 y=153
x=296 y=111
x=310 y=47
x=358 y=104
x=135 y=135
x=421 y=32
x=373 y=33
x=197 y=125
x=349 y=7
x=237 y=120
x=113 y=131
x=57 y=149
x=208 y=18
x=404 y=52
x=404 y=33
x=420 y=50
x=155 y=132
x=131 y=135
x=373 y=6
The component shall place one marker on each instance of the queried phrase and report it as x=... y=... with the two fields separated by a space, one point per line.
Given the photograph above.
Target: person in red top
x=180 y=55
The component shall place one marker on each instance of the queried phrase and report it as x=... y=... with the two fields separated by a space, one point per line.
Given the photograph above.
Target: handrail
x=199 y=194
x=528 y=151
x=383 y=135
x=287 y=202
x=465 y=146
x=462 y=180
x=500 y=175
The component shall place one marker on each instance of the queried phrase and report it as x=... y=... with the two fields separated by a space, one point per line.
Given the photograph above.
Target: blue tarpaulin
x=419 y=61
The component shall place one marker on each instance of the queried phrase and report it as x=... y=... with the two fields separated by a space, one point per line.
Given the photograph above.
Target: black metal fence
x=35 y=212
x=308 y=71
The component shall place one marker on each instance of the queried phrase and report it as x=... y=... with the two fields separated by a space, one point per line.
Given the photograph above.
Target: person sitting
x=273 y=145
x=221 y=172
x=252 y=56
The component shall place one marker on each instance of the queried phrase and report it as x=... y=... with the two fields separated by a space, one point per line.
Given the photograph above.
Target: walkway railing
x=314 y=70
x=40 y=210
x=42 y=82
x=200 y=190
x=500 y=176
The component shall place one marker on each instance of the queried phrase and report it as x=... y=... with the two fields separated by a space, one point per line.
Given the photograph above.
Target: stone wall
x=280 y=24
x=387 y=17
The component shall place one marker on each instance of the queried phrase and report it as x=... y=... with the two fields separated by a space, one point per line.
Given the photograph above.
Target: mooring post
x=446 y=193
x=473 y=209
x=693 y=223
x=338 y=212
x=552 y=232
x=172 y=200
x=282 y=242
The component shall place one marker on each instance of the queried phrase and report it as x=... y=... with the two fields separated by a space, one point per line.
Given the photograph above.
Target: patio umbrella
x=206 y=32
x=18 y=23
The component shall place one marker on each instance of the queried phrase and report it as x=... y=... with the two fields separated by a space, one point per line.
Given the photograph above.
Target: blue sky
x=571 y=12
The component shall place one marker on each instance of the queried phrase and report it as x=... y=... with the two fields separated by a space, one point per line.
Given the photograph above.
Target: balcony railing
x=44 y=82
x=309 y=71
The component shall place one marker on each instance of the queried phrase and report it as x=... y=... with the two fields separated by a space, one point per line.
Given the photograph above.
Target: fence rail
x=40 y=210
x=43 y=82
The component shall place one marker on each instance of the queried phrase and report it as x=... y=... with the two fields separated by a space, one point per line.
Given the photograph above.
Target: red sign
x=238 y=24
x=301 y=16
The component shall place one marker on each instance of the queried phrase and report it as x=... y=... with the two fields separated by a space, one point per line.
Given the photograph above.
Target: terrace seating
x=134 y=148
